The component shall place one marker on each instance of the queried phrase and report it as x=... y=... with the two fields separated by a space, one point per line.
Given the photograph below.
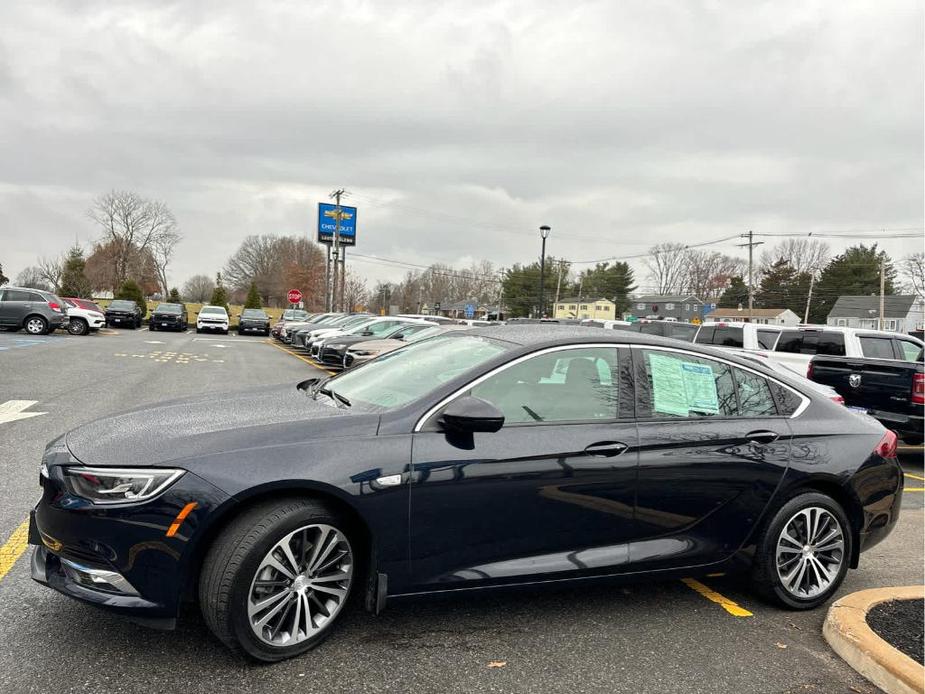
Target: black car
x=478 y=458
x=123 y=313
x=169 y=317
x=254 y=320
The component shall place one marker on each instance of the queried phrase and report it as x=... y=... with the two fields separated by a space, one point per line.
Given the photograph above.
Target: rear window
x=877 y=347
x=720 y=335
x=681 y=332
x=767 y=338
x=826 y=342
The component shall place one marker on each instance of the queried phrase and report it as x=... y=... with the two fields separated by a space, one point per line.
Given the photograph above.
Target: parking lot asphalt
x=652 y=637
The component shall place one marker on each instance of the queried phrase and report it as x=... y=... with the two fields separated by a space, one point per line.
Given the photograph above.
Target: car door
x=550 y=494
x=712 y=450
x=14 y=306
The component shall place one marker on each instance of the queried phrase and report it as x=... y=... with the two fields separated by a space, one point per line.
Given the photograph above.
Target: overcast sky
x=461 y=127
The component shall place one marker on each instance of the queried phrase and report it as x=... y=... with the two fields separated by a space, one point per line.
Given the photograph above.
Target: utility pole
x=558 y=283
x=335 y=303
x=809 y=296
x=751 y=275
x=882 y=287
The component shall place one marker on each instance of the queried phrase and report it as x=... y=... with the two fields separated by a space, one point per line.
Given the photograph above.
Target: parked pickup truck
x=890 y=390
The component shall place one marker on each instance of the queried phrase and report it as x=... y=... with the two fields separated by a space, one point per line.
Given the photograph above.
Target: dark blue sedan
x=498 y=457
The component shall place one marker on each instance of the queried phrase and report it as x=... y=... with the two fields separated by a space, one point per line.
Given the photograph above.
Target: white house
x=765 y=316
x=902 y=313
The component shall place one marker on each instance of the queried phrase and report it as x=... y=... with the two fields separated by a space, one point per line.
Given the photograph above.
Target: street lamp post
x=544 y=233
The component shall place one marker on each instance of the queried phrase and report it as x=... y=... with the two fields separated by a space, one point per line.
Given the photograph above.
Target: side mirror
x=469 y=415
x=366 y=333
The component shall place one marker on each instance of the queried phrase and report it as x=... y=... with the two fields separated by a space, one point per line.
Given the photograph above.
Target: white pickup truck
x=796 y=346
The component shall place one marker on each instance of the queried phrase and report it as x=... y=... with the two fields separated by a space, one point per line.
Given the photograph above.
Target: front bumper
x=222 y=327
x=120 y=557
x=120 y=319
x=166 y=322
x=96 y=323
x=253 y=327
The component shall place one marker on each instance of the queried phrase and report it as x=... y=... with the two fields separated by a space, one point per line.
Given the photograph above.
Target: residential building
x=684 y=308
x=903 y=313
x=765 y=316
x=577 y=307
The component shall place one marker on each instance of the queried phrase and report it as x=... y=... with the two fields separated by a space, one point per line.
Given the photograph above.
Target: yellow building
x=603 y=309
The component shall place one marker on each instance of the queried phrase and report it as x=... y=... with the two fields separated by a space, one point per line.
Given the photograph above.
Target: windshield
x=168 y=308
x=407 y=374
x=294 y=313
x=121 y=305
x=423 y=333
x=213 y=309
x=354 y=322
x=253 y=313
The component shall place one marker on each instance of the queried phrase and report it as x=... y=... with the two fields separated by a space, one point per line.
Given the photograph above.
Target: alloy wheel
x=300 y=585
x=810 y=552
x=35 y=326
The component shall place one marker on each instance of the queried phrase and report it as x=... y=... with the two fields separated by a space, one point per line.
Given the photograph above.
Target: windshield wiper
x=334 y=396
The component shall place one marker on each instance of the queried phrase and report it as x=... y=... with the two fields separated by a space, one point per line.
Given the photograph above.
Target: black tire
x=78 y=326
x=198 y=331
x=765 y=579
x=911 y=440
x=35 y=325
x=152 y=328
x=233 y=560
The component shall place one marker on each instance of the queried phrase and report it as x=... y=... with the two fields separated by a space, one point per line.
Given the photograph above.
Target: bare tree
x=912 y=269
x=198 y=289
x=256 y=260
x=668 y=266
x=709 y=273
x=162 y=249
x=803 y=254
x=51 y=269
x=131 y=225
x=355 y=292
x=33 y=278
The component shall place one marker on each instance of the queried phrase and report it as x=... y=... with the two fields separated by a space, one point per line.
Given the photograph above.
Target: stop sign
x=294 y=296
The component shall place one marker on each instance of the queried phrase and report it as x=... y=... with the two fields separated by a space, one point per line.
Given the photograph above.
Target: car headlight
x=119 y=485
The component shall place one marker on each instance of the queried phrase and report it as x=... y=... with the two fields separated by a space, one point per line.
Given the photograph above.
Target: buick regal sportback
x=485 y=458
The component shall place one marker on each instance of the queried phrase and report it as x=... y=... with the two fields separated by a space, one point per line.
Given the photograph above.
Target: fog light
x=98 y=579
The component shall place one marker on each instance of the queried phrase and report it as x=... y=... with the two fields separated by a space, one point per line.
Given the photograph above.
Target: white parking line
x=12 y=410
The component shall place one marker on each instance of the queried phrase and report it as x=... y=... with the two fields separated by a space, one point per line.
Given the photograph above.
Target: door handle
x=606 y=449
x=762 y=436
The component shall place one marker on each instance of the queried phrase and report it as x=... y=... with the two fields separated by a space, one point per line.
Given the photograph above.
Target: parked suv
x=36 y=311
x=169 y=317
x=254 y=320
x=124 y=312
x=84 y=316
x=212 y=318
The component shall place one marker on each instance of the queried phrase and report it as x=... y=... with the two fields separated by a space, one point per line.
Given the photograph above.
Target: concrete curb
x=847 y=632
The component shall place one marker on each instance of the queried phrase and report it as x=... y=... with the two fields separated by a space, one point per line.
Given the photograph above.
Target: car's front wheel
x=78 y=326
x=277 y=579
x=803 y=555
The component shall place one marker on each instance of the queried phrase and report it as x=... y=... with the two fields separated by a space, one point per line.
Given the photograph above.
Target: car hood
x=380 y=345
x=206 y=425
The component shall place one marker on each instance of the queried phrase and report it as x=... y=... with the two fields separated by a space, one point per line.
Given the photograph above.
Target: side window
x=790 y=341
x=571 y=385
x=767 y=338
x=728 y=337
x=909 y=350
x=382 y=327
x=831 y=344
x=681 y=332
x=755 y=399
x=651 y=328
x=788 y=402
x=682 y=385
x=705 y=336
x=877 y=347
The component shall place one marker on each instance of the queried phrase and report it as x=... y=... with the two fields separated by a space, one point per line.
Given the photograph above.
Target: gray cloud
x=460 y=127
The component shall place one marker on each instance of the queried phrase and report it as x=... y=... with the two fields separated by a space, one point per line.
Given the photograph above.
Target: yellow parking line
x=914 y=489
x=915 y=477
x=731 y=607
x=14 y=548
x=298 y=356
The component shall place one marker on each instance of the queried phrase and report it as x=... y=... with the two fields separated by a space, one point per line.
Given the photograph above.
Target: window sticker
x=680 y=387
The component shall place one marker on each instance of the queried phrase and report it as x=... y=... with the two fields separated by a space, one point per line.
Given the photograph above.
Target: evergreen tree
x=74 y=280
x=130 y=291
x=174 y=296
x=3 y=278
x=782 y=287
x=219 y=297
x=253 y=297
x=521 y=285
x=735 y=295
x=856 y=272
x=614 y=282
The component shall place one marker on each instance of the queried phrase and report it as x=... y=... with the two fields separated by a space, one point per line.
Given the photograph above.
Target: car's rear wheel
x=36 y=325
x=804 y=552
x=277 y=579
x=78 y=326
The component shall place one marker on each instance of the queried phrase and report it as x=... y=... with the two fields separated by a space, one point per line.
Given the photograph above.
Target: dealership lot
x=708 y=635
